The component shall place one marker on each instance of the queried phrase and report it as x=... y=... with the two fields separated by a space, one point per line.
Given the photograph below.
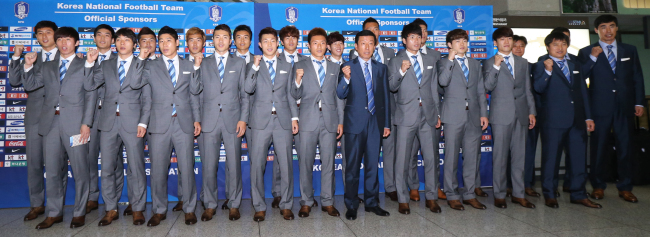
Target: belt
x=56 y=112
x=117 y=113
x=220 y=110
x=466 y=107
x=420 y=103
x=174 y=115
x=273 y=112
x=320 y=109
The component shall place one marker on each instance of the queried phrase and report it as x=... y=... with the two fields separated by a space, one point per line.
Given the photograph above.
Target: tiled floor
x=617 y=218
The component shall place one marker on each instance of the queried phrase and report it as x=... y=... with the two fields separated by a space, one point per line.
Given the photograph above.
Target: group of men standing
x=377 y=101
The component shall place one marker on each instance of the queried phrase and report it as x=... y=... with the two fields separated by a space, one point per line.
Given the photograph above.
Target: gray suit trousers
x=327 y=146
x=467 y=136
x=93 y=156
x=389 y=154
x=509 y=139
x=35 y=163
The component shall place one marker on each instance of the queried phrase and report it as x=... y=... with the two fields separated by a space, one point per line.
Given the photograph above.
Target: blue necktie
x=565 y=69
x=122 y=73
x=377 y=57
x=464 y=67
x=243 y=57
x=611 y=57
x=101 y=58
x=47 y=57
x=271 y=71
x=172 y=74
x=62 y=70
x=221 y=69
x=292 y=59
x=371 y=95
x=321 y=71
x=417 y=69
x=507 y=60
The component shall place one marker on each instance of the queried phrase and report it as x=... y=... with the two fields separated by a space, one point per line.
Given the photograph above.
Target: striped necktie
x=47 y=57
x=122 y=73
x=377 y=57
x=611 y=57
x=101 y=58
x=172 y=74
x=565 y=69
x=417 y=69
x=321 y=71
x=464 y=67
x=293 y=60
x=507 y=60
x=271 y=71
x=371 y=95
x=62 y=70
x=221 y=69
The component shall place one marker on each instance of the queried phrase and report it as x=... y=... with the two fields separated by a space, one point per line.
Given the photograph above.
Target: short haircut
x=553 y=36
x=168 y=30
x=516 y=38
x=457 y=34
x=45 y=24
x=369 y=20
x=223 y=27
x=267 y=31
x=315 y=32
x=244 y=28
x=334 y=37
x=605 y=19
x=289 y=31
x=66 y=32
x=195 y=31
x=420 y=22
x=411 y=29
x=561 y=29
x=106 y=27
x=126 y=32
x=502 y=32
x=365 y=33
x=146 y=31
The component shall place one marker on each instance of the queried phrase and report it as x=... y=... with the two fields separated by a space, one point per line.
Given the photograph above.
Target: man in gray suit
x=175 y=120
x=464 y=115
x=123 y=121
x=273 y=118
x=224 y=111
x=35 y=183
x=416 y=115
x=322 y=116
x=512 y=113
x=67 y=114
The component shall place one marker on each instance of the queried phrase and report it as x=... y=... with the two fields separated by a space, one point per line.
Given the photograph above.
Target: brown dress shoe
x=78 y=221
x=48 y=222
x=190 y=218
x=587 y=203
x=415 y=195
x=500 y=203
x=479 y=192
x=208 y=214
x=91 y=205
x=392 y=196
x=109 y=218
x=566 y=189
x=138 y=218
x=128 y=211
x=234 y=215
x=509 y=192
x=404 y=208
x=456 y=205
x=441 y=195
x=523 y=202
x=433 y=206
x=361 y=199
x=259 y=216
x=34 y=212
x=156 y=219
x=287 y=214
x=551 y=202
x=276 y=202
x=628 y=196
x=224 y=206
x=315 y=204
x=304 y=211
x=475 y=204
x=331 y=210
x=178 y=207
x=598 y=193
x=531 y=192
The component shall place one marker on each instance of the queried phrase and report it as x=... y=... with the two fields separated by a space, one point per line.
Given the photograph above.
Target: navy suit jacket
x=356 y=112
x=564 y=104
x=609 y=91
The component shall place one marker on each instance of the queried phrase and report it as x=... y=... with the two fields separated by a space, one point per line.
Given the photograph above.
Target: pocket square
x=185 y=72
x=624 y=59
x=283 y=71
x=429 y=67
x=231 y=71
x=388 y=59
x=576 y=72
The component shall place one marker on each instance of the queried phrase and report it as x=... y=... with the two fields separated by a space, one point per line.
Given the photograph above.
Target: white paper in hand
x=74 y=140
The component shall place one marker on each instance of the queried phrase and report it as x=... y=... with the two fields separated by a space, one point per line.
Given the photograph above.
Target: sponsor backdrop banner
x=17 y=29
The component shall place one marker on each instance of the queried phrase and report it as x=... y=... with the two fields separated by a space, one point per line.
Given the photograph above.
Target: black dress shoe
x=351 y=214
x=377 y=210
x=224 y=206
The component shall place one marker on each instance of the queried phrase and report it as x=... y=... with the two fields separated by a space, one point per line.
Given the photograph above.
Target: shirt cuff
x=89 y=65
x=298 y=85
x=589 y=120
x=30 y=68
x=15 y=57
x=142 y=125
x=593 y=58
x=402 y=73
x=640 y=106
x=346 y=81
x=294 y=119
x=547 y=72
x=497 y=67
x=196 y=68
x=256 y=68
x=143 y=59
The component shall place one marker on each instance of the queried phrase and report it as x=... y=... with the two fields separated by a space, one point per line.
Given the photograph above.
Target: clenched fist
x=452 y=54
x=346 y=72
x=30 y=58
x=497 y=60
x=299 y=73
x=92 y=55
x=595 y=51
x=18 y=50
x=257 y=58
x=198 y=58
x=144 y=53
x=548 y=64
x=406 y=64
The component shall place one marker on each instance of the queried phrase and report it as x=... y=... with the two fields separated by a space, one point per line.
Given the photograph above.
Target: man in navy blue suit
x=617 y=94
x=565 y=120
x=363 y=84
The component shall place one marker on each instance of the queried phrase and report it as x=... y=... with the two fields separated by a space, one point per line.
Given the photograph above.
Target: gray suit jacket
x=36 y=97
x=458 y=91
x=387 y=53
x=101 y=91
x=408 y=91
x=76 y=105
x=266 y=94
x=310 y=92
x=164 y=95
x=135 y=105
x=508 y=92
x=230 y=94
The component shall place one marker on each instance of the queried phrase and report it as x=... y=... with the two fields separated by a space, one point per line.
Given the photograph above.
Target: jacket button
x=222 y=92
x=321 y=91
x=174 y=92
x=120 y=92
x=272 y=90
x=467 y=88
x=614 y=91
x=219 y=104
x=115 y=102
x=171 y=105
x=571 y=102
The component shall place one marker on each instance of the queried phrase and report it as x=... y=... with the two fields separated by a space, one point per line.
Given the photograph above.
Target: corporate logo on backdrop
x=459 y=16
x=21 y=9
x=215 y=13
x=292 y=14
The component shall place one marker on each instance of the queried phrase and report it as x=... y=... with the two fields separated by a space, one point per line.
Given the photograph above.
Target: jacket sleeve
x=445 y=67
x=33 y=79
x=586 y=62
x=243 y=95
x=293 y=107
x=343 y=88
x=394 y=75
x=384 y=72
x=530 y=99
x=16 y=69
x=251 y=79
x=89 y=105
x=540 y=78
x=295 y=91
x=196 y=81
x=639 y=87
x=145 y=110
x=481 y=92
x=490 y=74
x=141 y=77
x=97 y=80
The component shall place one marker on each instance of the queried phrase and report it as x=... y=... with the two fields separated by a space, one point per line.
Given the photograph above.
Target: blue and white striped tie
x=464 y=67
x=172 y=74
x=611 y=57
x=293 y=60
x=417 y=69
x=565 y=69
x=101 y=58
x=243 y=57
x=62 y=70
x=271 y=71
x=377 y=57
x=371 y=95
x=507 y=60
x=321 y=71
x=221 y=69
x=47 y=57
x=122 y=73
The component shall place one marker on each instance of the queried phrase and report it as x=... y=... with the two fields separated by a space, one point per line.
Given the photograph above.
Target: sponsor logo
x=16 y=151
x=13 y=116
x=86 y=36
x=20 y=42
x=349 y=38
x=20 y=35
x=16 y=109
x=15 y=136
x=440 y=44
x=486 y=137
x=440 y=38
x=86 y=29
x=478 y=50
x=20 y=29
x=459 y=16
x=386 y=32
x=15 y=143
x=3 y=116
x=15 y=163
x=21 y=9
x=479 y=55
x=442 y=50
x=15 y=130
x=477 y=44
x=440 y=32
x=14 y=95
x=2 y=129
x=476 y=32
x=4 y=28
x=15 y=122
x=215 y=13
x=291 y=14
x=477 y=38
x=486 y=149
x=387 y=38
x=3 y=68
x=350 y=32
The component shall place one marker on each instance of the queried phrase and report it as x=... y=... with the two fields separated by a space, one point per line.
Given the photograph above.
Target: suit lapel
x=129 y=73
x=165 y=71
x=227 y=68
x=426 y=61
x=519 y=67
x=620 y=53
x=74 y=67
x=375 y=73
x=571 y=68
x=329 y=73
x=281 y=66
x=312 y=71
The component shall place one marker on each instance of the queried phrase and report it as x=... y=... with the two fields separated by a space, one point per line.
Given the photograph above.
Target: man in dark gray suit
x=273 y=119
x=175 y=120
x=416 y=115
x=35 y=183
x=512 y=113
x=464 y=117
x=66 y=117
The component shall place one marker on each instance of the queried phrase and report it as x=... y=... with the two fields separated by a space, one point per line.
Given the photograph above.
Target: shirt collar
x=53 y=51
x=423 y=49
x=274 y=59
x=364 y=62
x=69 y=58
x=505 y=55
x=246 y=54
x=411 y=55
x=190 y=57
x=311 y=57
x=295 y=53
x=557 y=59
x=332 y=59
x=463 y=57
x=217 y=55
x=107 y=54
x=604 y=45
x=165 y=58
x=128 y=59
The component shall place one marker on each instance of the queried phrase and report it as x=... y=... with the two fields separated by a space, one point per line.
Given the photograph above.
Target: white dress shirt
x=295 y=56
x=246 y=56
x=107 y=55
